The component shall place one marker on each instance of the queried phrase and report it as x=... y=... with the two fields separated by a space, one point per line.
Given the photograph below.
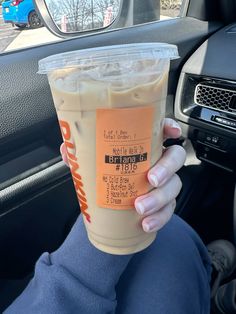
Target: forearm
x=77 y=278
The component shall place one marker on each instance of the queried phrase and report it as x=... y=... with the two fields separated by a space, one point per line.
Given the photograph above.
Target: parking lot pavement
x=32 y=37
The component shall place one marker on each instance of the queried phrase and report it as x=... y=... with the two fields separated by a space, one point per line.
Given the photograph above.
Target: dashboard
x=205 y=101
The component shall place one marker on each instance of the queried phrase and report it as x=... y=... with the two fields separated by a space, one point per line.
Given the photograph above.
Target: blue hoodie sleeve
x=77 y=278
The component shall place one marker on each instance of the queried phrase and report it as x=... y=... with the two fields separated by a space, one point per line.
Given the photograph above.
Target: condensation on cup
x=110 y=103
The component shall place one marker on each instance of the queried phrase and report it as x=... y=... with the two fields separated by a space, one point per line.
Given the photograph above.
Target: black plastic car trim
x=34 y=184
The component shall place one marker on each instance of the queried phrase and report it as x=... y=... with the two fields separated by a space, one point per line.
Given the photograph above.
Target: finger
x=156 y=221
x=171 y=161
x=64 y=154
x=158 y=198
x=171 y=129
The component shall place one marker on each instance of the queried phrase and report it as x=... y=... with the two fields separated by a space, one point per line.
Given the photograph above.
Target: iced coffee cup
x=110 y=103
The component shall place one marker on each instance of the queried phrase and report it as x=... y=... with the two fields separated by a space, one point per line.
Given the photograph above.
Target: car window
x=21 y=26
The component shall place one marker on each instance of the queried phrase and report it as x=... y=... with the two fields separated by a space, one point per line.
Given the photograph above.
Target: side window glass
x=21 y=25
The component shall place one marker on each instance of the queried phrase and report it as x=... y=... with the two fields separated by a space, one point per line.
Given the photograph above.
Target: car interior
x=38 y=204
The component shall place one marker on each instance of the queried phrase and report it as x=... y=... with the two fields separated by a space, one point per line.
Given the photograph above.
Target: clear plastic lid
x=107 y=55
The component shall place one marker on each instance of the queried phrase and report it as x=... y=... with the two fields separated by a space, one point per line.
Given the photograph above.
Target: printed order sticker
x=123 y=148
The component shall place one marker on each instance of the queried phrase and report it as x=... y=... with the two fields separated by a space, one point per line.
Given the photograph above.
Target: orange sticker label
x=123 y=148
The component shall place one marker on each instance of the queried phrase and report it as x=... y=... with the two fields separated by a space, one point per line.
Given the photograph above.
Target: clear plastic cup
x=110 y=103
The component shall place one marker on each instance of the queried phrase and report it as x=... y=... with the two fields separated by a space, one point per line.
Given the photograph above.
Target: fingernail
x=140 y=208
x=153 y=180
x=149 y=226
x=175 y=125
x=146 y=227
x=61 y=148
x=145 y=205
x=159 y=176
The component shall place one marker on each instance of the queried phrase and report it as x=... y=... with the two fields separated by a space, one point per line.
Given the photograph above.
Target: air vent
x=217 y=98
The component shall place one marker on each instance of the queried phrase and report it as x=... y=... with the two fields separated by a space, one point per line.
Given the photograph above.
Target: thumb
x=64 y=154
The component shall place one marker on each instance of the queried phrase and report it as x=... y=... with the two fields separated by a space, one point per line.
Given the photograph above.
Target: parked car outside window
x=20 y=13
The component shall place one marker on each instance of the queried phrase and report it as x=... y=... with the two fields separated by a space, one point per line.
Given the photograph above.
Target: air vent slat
x=216 y=98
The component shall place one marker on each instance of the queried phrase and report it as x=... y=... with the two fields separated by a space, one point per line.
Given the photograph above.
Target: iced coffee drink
x=110 y=104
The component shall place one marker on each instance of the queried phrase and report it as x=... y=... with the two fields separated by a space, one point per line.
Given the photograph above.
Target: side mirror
x=68 y=18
